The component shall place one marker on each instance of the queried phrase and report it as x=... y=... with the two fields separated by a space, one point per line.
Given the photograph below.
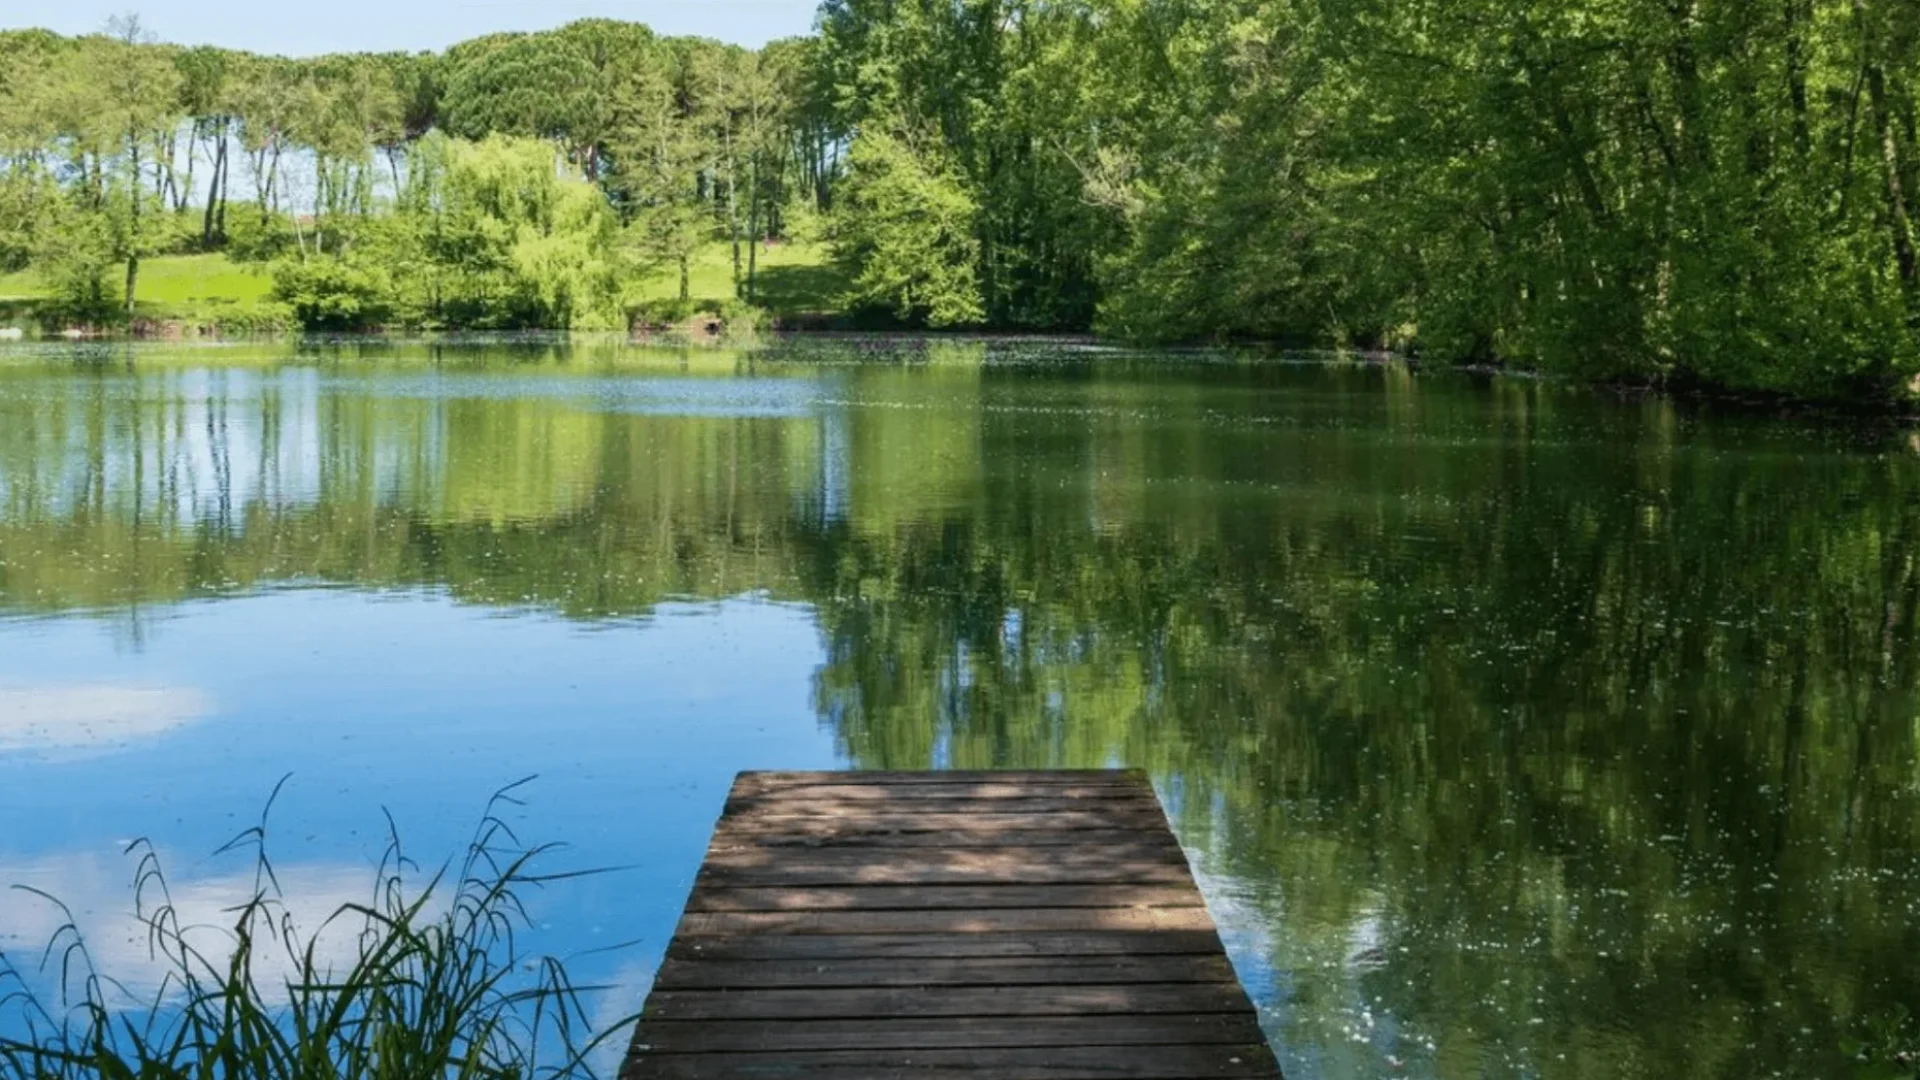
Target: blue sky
x=378 y=25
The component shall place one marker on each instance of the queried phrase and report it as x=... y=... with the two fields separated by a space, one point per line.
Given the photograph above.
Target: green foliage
x=30 y=201
x=561 y=85
x=1623 y=189
x=741 y=320
x=254 y=237
x=265 y=317
x=507 y=241
x=1885 y=1047
x=488 y=235
x=982 y=84
x=328 y=292
x=76 y=259
x=1639 y=190
x=903 y=225
x=435 y=987
x=533 y=85
x=115 y=150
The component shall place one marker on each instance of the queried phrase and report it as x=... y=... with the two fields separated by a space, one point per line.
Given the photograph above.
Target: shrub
x=327 y=292
x=253 y=236
x=742 y=319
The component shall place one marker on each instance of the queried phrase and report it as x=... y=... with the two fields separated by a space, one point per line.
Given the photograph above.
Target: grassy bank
x=795 y=282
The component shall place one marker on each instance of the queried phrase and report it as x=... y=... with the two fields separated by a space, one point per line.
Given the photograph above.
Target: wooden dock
x=1014 y=926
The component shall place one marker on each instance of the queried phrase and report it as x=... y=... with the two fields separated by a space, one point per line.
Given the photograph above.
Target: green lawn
x=170 y=283
x=175 y=281
x=19 y=286
x=791 y=278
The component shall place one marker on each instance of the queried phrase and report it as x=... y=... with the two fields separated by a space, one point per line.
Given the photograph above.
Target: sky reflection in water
x=1514 y=730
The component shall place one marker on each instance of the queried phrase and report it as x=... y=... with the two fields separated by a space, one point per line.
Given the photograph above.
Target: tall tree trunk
x=162 y=170
x=753 y=224
x=273 y=180
x=1898 y=199
x=213 y=193
x=186 y=188
x=686 y=279
x=319 y=207
x=133 y=226
x=1683 y=66
x=1798 y=18
x=226 y=187
x=733 y=205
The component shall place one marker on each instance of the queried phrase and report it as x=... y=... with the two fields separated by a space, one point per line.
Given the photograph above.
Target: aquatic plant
x=436 y=988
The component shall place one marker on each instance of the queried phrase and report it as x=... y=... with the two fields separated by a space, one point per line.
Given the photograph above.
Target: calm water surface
x=1514 y=730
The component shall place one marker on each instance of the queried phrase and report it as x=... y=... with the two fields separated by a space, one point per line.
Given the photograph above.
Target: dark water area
x=1513 y=729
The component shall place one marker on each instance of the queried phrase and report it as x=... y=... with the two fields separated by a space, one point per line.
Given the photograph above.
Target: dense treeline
x=1642 y=189
x=1715 y=189
x=515 y=180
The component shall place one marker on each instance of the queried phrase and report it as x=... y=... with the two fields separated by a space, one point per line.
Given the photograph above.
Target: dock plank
x=979 y=921
x=883 y=819
x=1051 y=1063
x=938 y=1032
x=973 y=792
x=748 y=782
x=966 y=971
x=804 y=834
x=859 y=926
x=1071 y=945
x=924 y=897
x=1062 y=999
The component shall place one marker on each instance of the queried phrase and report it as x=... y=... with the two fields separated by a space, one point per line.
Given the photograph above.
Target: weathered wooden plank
x=825 y=836
x=932 y=1033
x=767 y=781
x=831 y=874
x=829 y=819
x=986 y=921
x=1102 y=813
x=944 y=866
x=940 y=792
x=679 y=973
x=920 y=946
x=734 y=848
x=934 y=897
x=853 y=1003
x=1055 y=1063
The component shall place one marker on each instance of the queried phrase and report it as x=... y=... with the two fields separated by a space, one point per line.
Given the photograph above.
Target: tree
x=660 y=149
x=903 y=226
x=207 y=98
x=496 y=234
x=560 y=85
x=138 y=86
x=268 y=94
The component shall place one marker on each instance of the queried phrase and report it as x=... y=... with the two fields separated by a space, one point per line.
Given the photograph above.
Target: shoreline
x=710 y=332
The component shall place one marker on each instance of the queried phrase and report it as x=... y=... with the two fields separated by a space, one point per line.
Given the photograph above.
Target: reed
x=437 y=986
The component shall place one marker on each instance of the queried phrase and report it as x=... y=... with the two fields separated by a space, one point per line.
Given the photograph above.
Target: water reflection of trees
x=1592 y=729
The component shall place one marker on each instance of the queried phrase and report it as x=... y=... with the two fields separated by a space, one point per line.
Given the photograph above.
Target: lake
x=1513 y=729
